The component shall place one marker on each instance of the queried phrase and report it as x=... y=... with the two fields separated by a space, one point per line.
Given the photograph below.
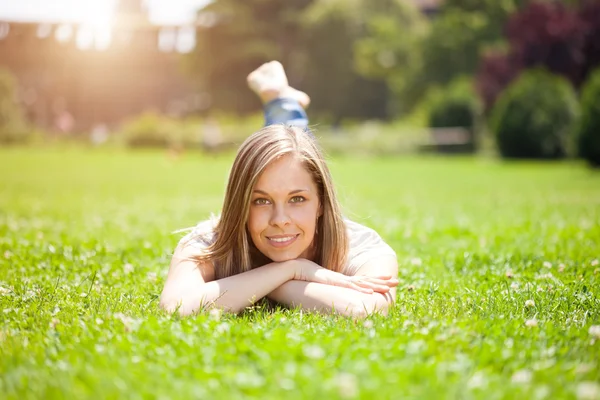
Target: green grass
x=85 y=241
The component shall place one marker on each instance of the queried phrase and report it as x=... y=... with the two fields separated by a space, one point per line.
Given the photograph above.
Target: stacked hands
x=308 y=271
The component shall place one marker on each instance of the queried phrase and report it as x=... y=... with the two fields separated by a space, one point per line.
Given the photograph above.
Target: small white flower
x=595 y=331
x=547 y=264
x=561 y=267
x=514 y=286
x=416 y=261
x=128 y=268
x=530 y=303
x=314 y=352
x=99 y=321
x=477 y=381
x=588 y=391
x=531 y=323
x=522 y=376
x=595 y=263
x=7 y=254
x=368 y=324
x=215 y=313
x=151 y=276
x=54 y=322
x=347 y=384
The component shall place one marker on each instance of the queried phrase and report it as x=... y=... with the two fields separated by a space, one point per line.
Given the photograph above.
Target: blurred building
x=74 y=77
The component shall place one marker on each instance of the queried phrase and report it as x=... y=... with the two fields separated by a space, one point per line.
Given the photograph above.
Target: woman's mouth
x=282 y=240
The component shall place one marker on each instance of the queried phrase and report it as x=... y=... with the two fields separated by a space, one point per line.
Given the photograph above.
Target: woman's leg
x=282 y=104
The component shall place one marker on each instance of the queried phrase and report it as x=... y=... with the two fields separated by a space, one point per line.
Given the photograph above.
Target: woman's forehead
x=287 y=172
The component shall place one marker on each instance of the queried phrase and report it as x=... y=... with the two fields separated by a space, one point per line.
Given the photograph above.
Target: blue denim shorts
x=285 y=111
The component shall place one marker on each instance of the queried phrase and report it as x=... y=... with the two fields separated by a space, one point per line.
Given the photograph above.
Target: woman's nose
x=280 y=216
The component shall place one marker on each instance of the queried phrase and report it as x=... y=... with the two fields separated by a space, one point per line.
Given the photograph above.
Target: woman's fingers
x=376 y=285
x=377 y=281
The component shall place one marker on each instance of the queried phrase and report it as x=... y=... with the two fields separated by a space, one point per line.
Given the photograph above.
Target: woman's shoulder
x=364 y=244
x=360 y=234
x=200 y=236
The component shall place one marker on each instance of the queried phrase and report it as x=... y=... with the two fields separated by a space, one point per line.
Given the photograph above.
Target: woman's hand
x=308 y=271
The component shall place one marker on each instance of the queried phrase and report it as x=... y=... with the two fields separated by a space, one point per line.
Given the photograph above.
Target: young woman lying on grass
x=281 y=234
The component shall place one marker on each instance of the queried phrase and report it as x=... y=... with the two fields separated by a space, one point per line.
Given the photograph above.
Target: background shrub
x=588 y=135
x=534 y=117
x=13 y=128
x=154 y=130
x=455 y=106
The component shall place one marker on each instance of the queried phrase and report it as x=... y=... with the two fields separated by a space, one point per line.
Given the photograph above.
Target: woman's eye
x=261 y=202
x=297 y=199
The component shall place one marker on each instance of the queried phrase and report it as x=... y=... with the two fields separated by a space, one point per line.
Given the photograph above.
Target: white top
x=365 y=243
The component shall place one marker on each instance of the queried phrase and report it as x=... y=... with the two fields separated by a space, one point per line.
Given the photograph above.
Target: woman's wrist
x=289 y=269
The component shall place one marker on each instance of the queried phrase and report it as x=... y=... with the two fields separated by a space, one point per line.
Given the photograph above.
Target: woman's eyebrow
x=292 y=192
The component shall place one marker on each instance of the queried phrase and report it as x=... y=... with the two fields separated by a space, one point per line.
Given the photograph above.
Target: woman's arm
x=381 y=272
x=190 y=286
x=328 y=299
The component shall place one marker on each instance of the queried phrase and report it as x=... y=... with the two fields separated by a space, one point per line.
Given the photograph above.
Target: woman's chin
x=282 y=258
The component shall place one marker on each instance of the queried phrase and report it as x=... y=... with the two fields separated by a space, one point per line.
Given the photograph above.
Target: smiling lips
x=282 y=240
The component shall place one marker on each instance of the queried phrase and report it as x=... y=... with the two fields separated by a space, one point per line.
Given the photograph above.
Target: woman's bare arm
x=190 y=286
x=382 y=272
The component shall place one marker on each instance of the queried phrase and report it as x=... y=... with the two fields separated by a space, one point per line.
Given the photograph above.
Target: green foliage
x=239 y=36
x=13 y=128
x=458 y=36
x=535 y=116
x=85 y=244
x=588 y=135
x=388 y=49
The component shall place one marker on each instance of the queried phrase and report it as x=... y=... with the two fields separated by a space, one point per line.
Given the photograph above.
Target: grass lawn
x=500 y=284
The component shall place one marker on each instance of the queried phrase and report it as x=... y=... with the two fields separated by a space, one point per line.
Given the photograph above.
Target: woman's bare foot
x=269 y=82
x=297 y=95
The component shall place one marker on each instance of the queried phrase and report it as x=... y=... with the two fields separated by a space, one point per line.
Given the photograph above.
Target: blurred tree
x=550 y=35
x=340 y=78
x=387 y=47
x=554 y=35
x=460 y=34
x=236 y=37
x=589 y=15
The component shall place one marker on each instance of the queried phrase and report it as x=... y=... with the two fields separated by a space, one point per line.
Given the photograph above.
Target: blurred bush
x=588 y=135
x=535 y=116
x=216 y=132
x=562 y=38
x=455 y=106
x=13 y=128
x=154 y=130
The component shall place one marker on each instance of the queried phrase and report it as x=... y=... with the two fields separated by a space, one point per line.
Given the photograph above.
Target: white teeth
x=281 y=240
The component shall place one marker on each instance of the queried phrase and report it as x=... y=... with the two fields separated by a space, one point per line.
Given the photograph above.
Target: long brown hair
x=232 y=251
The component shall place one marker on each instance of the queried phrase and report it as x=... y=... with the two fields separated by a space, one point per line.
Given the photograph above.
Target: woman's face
x=283 y=211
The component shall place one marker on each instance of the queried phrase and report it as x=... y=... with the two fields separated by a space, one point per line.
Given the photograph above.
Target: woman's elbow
x=171 y=306
x=182 y=305
x=186 y=306
x=362 y=309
